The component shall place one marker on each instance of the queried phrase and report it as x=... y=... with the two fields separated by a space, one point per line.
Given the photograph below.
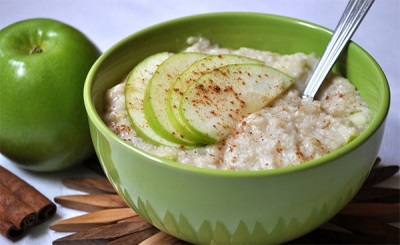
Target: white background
x=107 y=22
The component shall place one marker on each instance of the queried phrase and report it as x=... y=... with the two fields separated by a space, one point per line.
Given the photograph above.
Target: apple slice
x=135 y=89
x=155 y=99
x=359 y=120
x=190 y=75
x=216 y=102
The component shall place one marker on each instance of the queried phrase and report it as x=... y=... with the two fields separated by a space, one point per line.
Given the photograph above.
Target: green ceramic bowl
x=206 y=206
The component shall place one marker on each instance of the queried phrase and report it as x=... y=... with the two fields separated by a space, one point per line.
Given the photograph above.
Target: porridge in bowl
x=286 y=131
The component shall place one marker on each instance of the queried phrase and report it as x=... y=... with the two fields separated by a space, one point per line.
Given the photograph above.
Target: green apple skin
x=43 y=66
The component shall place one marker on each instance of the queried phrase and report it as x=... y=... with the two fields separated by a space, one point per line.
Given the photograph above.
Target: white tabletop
x=107 y=22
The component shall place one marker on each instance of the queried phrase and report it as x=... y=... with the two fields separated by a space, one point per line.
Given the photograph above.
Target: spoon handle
x=350 y=20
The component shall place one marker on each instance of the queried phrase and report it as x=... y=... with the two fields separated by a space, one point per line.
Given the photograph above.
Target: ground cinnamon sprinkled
x=224 y=73
x=217 y=88
x=124 y=128
x=228 y=89
x=299 y=153
x=279 y=147
x=200 y=86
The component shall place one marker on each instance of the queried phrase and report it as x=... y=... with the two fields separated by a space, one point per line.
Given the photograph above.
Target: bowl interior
x=233 y=30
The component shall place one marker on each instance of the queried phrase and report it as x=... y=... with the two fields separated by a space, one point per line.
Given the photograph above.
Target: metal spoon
x=350 y=20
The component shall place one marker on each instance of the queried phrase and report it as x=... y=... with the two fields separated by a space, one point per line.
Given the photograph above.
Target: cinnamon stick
x=41 y=205
x=9 y=230
x=14 y=211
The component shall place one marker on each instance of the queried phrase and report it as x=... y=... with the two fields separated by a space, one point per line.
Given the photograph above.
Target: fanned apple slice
x=135 y=88
x=155 y=99
x=214 y=104
x=190 y=75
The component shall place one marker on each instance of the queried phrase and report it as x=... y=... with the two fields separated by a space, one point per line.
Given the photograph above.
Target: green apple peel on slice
x=135 y=88
x=191 y=75
x=216 y=102
x=155 y=98
x=359 y=120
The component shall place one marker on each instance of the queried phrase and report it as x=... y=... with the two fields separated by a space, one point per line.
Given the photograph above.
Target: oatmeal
x=286 y=132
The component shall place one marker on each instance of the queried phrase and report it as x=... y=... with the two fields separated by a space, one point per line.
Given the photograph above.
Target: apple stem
x=36 y=50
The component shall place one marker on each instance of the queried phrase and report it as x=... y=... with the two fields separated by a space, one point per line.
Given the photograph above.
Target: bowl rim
x=95 y=118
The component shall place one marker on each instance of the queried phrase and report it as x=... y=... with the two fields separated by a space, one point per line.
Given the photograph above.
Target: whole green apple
x=43 y=66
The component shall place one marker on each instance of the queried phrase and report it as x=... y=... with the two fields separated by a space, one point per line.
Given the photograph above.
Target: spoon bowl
x=352 y=16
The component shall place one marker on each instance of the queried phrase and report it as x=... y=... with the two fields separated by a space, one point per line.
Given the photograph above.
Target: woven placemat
x=365 y=220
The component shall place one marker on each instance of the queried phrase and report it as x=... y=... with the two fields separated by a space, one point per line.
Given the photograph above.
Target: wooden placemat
x=365 y=220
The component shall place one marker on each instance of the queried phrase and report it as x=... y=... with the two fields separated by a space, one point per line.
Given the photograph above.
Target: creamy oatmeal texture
x=287 y=132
